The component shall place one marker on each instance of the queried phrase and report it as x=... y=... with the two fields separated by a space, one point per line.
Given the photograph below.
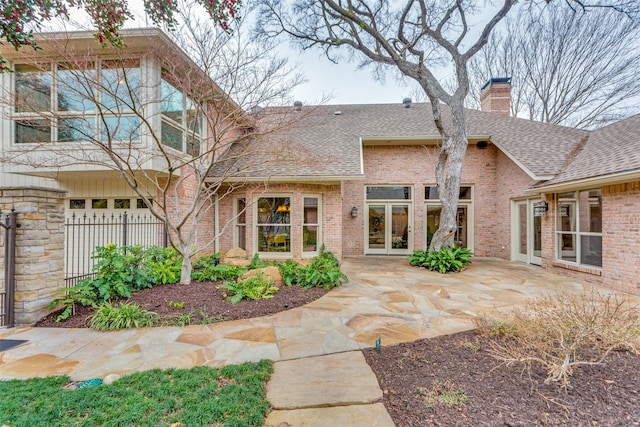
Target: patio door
x=389 y=229
x=526 y=245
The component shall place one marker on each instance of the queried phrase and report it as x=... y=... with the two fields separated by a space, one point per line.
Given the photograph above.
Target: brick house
x=362 y=183
x=359 y=179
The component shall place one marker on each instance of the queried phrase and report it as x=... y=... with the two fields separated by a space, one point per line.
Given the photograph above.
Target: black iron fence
x=83 y=233
x=8 y=221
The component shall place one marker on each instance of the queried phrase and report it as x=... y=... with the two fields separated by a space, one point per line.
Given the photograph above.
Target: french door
x=526 y=233
x=389 y=228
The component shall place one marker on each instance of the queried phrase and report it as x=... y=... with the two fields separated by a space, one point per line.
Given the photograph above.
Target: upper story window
x=388 y=193
x=182 y=120
x=72 y=103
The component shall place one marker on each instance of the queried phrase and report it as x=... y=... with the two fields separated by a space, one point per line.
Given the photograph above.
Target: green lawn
x=232 y=396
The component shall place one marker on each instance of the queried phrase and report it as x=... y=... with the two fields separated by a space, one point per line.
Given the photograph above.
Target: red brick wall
x=621 y=237
x=331 y=214
x=485 y=169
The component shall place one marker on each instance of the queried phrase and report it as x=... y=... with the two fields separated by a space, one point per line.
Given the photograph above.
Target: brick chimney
x=495 y=96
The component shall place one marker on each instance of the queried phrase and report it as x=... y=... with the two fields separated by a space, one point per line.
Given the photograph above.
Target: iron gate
x=8 y=221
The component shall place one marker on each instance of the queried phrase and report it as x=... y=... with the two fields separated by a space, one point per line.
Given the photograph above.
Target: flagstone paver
x=374 y=415
x=385 y=298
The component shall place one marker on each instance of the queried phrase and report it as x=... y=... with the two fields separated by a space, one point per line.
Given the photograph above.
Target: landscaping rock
x=236 y=257
x=110 y=378
x=270 y=273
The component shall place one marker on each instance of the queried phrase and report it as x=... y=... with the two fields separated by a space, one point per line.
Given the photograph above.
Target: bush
x=323 y=272
x=83 y=293
x=207 y=261
x=162 y=265
x=561 y=332
x=109 y=317
x=445 y=260
x=253 y=288
x=217 y=272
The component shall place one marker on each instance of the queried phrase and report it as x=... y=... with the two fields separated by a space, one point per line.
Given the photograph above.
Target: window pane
x=171 y=136
x=431 y=193
x=171 y=101
x=274 y=238
x=566 y=220
x=241 y=211
x=76 y=129
x=591 y=250
x=122 y=204
x=310 y=215
x=388 y=193
x=122 y=128
x=33 y=89
x=242 y=236
x=120 y=84
x=193 y=146
x=567 y=247
x=99 y=203
x=33 y=131
x=377 y=236
x=433 y=221
x=76 y=204
x=75 y=91
x=590 y=211
x=274 y=210
x=310 y=238
x=140 y=204
x=399 y=227
x=195 y=118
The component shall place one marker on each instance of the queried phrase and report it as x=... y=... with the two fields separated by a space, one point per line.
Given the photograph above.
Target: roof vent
x=337 y=113
x=406 y=102
x=297 y=105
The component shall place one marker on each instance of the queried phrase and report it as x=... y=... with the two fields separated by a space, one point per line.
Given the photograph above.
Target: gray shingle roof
x=323 y=144
x=608 y=150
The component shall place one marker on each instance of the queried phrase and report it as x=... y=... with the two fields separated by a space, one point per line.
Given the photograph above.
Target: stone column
x=39 y=248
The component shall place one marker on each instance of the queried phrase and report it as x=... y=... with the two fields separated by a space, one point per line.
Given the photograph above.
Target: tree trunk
x=448 y=173
x=186 y=251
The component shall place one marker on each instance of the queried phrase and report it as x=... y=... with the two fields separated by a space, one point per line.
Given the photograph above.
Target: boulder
x=269 y=273
x=110 y=378
x=236 y=257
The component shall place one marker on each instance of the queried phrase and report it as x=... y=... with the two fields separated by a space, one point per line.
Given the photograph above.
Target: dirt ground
x=201 y=301
x=606 y=395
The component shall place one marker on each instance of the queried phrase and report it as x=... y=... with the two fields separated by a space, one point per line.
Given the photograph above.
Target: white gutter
x=616 y=178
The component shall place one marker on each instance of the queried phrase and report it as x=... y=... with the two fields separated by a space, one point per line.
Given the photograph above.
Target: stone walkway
x=385 y=298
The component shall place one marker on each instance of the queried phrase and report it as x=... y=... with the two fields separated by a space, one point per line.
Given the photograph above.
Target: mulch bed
x=606 y=395
x=201 y=301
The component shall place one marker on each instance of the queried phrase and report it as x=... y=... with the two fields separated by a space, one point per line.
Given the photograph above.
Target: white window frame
x=236 y=224
x=577 y=234
x=318 y=224
x=256 y=225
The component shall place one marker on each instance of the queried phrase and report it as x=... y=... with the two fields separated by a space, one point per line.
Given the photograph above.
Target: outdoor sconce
x=354 y=212
x=540 y=208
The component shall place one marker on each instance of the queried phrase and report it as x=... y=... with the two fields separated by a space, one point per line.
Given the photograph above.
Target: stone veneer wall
x=39 y=248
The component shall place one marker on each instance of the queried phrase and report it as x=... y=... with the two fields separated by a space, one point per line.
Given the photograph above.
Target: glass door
x=388 y=228
x=527 y=232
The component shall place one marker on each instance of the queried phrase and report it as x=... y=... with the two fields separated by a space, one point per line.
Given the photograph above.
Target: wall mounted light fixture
x=354 y=212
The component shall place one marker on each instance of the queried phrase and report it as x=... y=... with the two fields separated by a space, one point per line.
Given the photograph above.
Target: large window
x=71 y=103
x=274 y=224
x=182 y=120
x=433 y=210
x=311 y=224
x=579 y=227
x=240 y=213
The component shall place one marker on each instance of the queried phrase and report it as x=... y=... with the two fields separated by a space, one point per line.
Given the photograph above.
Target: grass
x=231 y=396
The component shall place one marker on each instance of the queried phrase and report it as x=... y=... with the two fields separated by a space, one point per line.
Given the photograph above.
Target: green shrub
x=256 y=263
x=445 y=260
x=253 y=288
x=162 y=265
x=83 y=293
x=109 y=317
x=218 y=272
x=207 y=261
x=323 y=272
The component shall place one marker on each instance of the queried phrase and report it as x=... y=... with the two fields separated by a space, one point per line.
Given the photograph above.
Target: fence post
x=124 y=229
x=10 y=267
x=165 y=236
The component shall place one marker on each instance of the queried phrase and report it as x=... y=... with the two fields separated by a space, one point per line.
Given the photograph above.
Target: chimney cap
x=406 y=102
x=297 y=105
x=499 y=80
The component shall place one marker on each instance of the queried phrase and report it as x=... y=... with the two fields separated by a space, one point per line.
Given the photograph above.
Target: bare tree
x=416 y=38
x=568 y=68
x=165 y=136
